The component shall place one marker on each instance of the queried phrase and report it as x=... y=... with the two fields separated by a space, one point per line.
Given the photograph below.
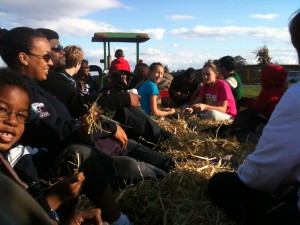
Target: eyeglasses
x=57 y=48
x=22 y=117
x=46 y=57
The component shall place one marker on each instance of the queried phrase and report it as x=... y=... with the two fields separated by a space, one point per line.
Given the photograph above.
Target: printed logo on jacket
x=38 y=110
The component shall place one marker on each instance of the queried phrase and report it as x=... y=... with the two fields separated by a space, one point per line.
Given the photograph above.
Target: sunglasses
x=46 y=57
x=57 y=48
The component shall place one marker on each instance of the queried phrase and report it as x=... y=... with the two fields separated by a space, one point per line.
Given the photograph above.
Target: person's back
x=273 y=87
x=119 y=63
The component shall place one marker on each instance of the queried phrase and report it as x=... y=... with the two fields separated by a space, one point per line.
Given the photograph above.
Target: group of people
x=265 y=189
x=55 y=144
x=58 y=139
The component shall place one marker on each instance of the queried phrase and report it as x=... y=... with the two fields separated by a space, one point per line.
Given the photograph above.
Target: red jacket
x=273 y=87
x=119 y=64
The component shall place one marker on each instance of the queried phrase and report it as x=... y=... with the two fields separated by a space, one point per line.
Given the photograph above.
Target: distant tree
x=166 y=69
x=240 y=61
x=262 y=55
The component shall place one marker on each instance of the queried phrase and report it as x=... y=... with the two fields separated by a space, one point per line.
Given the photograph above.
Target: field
x=181 y=197
x=251 y=91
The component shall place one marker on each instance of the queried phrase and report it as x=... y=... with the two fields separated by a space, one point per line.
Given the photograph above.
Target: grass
x=251 y=91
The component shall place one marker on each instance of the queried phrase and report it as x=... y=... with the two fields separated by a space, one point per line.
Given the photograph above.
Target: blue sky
x=184 y=33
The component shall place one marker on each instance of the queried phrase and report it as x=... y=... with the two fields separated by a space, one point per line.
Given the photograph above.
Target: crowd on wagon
x=64 y=132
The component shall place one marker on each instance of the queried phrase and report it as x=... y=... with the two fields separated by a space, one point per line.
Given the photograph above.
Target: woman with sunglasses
x=27 y=51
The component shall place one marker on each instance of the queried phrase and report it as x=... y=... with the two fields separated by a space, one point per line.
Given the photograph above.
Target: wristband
x=54 y=216
x=43 y=202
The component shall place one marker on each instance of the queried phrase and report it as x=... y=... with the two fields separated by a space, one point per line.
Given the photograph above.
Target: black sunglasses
x=57 y=48
x=46 y=57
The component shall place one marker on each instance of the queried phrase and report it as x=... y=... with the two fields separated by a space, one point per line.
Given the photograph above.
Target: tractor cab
x=108 y=37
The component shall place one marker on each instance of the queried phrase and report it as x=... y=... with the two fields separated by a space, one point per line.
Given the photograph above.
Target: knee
x=219 y=183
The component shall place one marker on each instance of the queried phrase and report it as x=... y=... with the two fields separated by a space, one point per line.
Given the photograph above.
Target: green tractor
x=108 y=37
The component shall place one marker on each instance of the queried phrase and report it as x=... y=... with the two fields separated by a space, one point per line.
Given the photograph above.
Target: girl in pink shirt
x=215 y=100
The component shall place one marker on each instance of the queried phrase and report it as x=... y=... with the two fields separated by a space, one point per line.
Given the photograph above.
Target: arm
x=156 y=111
x=221 y=107
x=93 y=216
x=115 y=100
x=189 y=109
x=260 y=103
x=65 y=190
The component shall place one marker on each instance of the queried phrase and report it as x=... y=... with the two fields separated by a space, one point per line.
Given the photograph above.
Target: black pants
x=250 y=206
x=143 y=153
x=139 y=124
x=101 y=170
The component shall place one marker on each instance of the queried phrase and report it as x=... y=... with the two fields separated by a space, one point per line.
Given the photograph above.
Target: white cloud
x=155 y=33
x=227 y=21
x=175 y=45
x=264 y=16
x=181 y=17
x=54 y=9
x=3 y=14
x=76 y=27
x=275 y=34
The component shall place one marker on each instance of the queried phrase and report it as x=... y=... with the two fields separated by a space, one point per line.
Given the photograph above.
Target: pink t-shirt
x=221 y=91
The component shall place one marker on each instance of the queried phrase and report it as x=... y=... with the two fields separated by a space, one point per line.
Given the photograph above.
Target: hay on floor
x=181 y=197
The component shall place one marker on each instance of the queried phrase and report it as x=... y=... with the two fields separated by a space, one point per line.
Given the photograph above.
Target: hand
x=66 y=189
x=84 y=130
x=199 y=107
x=135 y=99
x=188 y=110
x=79 y=217
x=171 y=110
x=121 y=137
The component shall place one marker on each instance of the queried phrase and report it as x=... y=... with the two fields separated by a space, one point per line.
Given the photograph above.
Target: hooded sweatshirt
x=273 y=87
x=119 y=64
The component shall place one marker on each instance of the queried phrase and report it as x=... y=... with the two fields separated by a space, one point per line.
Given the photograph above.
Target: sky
x=183 y=33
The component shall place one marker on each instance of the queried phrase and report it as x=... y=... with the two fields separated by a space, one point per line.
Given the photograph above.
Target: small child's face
x=157 y=74
x=14 y=104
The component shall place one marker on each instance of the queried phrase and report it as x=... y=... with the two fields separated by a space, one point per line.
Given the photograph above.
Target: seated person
x=119 y=81
x=165 y=81
x=182 y=87
x=265 y=188
x=119 y=63
x=249 y=122
x=140 y=73
x=15 y=98
x=149 y=92
x=215 y=100
x=88 y=83
x=227 y=71
x=76 y=102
